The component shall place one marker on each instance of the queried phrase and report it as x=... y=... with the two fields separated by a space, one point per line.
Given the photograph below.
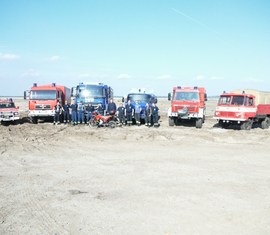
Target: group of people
x=75 y=113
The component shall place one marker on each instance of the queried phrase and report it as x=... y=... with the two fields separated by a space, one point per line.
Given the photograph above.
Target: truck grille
x=43 y=106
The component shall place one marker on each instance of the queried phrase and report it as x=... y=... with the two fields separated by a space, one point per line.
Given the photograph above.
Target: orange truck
x=243 y=108
x=8 y=111
x=187 y=103
x=42 y=100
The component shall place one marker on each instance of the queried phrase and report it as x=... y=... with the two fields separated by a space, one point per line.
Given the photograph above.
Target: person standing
x=147 y=115
x=100 y=109
x=66 y=108
x=57 y=112
x=89 y=109
x=129 y=112
x=155 y=110
x=73 y=108
x=81 y=109
x=137 y=110
x=111 y=110
x=121 y=114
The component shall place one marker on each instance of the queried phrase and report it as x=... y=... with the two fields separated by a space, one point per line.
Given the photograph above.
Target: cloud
x=164 y=77
x=9 y=57
x=123 y=76
x=200 y=77
x=31 y=73
x=215 y=78
x=254 y=80
x=54 y=58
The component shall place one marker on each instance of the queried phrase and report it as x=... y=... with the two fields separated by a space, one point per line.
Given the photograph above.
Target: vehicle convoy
x=187 y=103
x=8 y=111
x=243 y=107
x=92 y=93
x=42 y=100
x=142 y=97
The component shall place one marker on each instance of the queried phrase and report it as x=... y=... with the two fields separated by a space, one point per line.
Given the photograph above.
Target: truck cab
x=92 y=93
x=43 y=98
x=142 y=97
x=8 y=111
x=187 y=103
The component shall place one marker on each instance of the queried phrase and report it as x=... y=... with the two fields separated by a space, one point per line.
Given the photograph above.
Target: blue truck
x=142 y=97
x=92 y=93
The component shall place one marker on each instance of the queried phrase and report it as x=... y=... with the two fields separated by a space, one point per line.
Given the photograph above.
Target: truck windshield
x=192 y=96
x=238 y=100
x=90 y=91
x=224 y=100
x=139 y=97
x=7 y=105
x=43 y=95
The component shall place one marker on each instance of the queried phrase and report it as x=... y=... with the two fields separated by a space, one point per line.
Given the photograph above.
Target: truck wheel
x=171 y=121
x=199 y=123
x=265 y=123
x=246 y=125
x=112 y=124
x=34 y=120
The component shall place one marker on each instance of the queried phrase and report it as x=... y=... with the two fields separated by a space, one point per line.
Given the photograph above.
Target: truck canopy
x=262 y=97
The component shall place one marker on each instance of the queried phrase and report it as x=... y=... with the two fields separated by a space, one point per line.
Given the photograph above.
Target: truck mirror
x=169 y=96
x=123 y=99
x=205 y=97
x=24 y=95
x=73 y=91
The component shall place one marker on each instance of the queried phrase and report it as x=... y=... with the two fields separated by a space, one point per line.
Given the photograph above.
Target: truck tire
x=171 y=121
x=34 y=120
x=112 y=124
x=265 y=123
x=246 y=125
x=199 y=123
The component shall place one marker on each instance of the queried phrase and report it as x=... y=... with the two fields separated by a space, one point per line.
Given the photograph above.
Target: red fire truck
x=8 y=111
x=243 y=107
x=42 y=100
x=187 y=103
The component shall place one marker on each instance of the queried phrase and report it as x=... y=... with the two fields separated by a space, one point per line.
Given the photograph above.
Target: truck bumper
x=41 y=113
x=225 y=119
x=9 y=118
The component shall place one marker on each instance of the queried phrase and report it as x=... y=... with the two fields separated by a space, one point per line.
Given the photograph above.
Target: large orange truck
x=187 y=103
x=42 y=100
x=243 y=108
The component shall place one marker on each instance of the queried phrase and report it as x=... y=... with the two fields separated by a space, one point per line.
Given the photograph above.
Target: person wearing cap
x=121 y=114
x=111 y=109
x=154 y=110
x=129 y=111
x=73 y=108
x=57 y=112
x=137 y=111
x=147 y=115
x=81 y=109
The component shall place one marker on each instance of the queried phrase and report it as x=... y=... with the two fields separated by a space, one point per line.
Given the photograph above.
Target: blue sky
x=218 y=44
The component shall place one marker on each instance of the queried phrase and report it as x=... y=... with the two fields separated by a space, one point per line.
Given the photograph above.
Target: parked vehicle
x=142 y=97
x=243 y=107
x=187 y=103
x=42 y=100
x=8 y=111
x=99 y=120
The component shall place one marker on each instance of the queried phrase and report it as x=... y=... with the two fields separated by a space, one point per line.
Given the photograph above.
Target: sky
x=221 y=45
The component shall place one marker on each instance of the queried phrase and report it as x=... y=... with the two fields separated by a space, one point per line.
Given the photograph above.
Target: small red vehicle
x=98 y=120
x=8 y=111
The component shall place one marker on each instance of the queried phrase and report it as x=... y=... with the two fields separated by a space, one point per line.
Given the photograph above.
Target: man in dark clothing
x=154 y=110
x=100 y=109
x=129 y=112
x=89 y=109
x=121 y=114
x=147 y=115
x=111 y=107
x=81 y=109
x=66 y=108
x=73 y=108
x=57 y=112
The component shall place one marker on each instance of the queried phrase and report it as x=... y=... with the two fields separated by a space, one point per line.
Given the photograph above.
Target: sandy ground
x=134 y=180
